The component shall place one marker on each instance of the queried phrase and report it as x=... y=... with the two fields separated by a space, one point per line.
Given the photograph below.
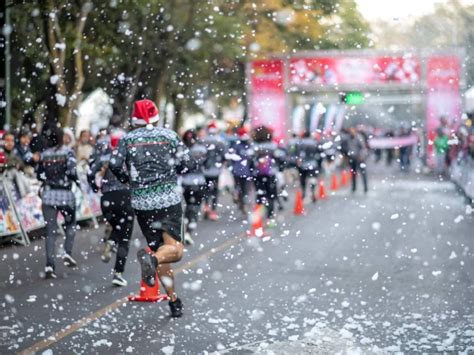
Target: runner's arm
x=183 y=159
x=94 y=167
x=71 y=171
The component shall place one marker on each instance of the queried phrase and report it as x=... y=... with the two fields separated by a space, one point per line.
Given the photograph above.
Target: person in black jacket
x=308 y=156
x=115 y=203
x=216 y=148
x=357 y=152
x=57 y=171
x=193 y=182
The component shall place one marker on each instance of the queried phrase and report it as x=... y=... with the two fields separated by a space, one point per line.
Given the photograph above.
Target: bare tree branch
x=81 y=22
x=76 y=93
x=57 y=55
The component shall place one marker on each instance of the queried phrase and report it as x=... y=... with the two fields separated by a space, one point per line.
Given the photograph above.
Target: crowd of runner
x=145 y=174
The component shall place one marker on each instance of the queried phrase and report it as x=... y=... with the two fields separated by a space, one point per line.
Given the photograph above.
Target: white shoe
x=187 y=239
x=49 y=272
x=69 y=261
x=118 y=280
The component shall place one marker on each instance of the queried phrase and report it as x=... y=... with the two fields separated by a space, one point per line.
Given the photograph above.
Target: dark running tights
x=266 y=191
x=193 y=195
x=304 y=176
x=241 y=189
x=117 y=210
x=212 y=192
x=358 y=167
x=50 y=214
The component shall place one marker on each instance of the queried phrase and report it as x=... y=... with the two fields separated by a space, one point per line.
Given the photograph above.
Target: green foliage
x=350 y=29
x=174 y=50
x=448 y=26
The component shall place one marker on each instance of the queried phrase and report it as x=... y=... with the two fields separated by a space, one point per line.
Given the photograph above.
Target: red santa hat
x=145 y=113
x=212 y=127
x=242 y=133
x=115 y=138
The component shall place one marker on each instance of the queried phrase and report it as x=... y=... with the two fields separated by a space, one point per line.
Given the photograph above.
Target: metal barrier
x=18 y=216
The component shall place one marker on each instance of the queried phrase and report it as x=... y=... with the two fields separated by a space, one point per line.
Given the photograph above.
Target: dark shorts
x=308 y=172
x=153 y=223
x=193 y=195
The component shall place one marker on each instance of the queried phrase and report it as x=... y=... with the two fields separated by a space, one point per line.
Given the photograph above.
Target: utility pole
x=5 y=57
x=3 y=104
x=7 y=30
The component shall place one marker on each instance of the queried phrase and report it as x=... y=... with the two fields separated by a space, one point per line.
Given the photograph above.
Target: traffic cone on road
x=322 y=190
x=299 y=204
x=344 y=178
x=147 y=293
x=334 y=182
x=256 y=222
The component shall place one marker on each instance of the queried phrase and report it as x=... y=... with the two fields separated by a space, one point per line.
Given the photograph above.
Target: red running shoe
x=213 y=216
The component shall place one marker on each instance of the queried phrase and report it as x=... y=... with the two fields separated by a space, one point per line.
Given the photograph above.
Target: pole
x=7 y=32
x=2 y=63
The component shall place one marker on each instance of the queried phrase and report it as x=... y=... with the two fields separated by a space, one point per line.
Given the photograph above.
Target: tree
x=176 y=51
x=447 y=27
x=348 y=28
x=64 y=25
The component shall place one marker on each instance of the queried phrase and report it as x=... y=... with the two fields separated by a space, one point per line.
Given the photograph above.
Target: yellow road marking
x=118 y=303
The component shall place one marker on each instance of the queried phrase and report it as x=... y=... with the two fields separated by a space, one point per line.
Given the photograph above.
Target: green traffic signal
x=354 y=98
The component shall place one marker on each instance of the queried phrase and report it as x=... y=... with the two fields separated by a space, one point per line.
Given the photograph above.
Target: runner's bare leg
x=171 y=251
x=166 y=276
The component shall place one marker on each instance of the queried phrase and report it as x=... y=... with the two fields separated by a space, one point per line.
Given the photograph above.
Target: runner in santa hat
x=151 y=156
x=216 y=148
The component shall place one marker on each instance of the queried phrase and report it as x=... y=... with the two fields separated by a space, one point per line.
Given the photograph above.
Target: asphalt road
x=383 y=272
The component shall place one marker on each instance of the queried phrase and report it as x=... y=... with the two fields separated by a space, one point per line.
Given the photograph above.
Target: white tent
x=94 y=112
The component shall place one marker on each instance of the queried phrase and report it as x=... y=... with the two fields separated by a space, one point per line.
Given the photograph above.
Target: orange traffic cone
x=147 y=293
x=299 y=204
x=322 y=190
x=344 y=178
x=256 y=222
x=333 y=182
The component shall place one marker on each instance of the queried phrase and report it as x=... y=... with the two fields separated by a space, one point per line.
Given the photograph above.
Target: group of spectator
x=20 y=153
x=451 y=145
x=402 y=154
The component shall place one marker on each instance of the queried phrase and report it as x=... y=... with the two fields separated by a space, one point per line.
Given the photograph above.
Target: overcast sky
x=398 y=10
